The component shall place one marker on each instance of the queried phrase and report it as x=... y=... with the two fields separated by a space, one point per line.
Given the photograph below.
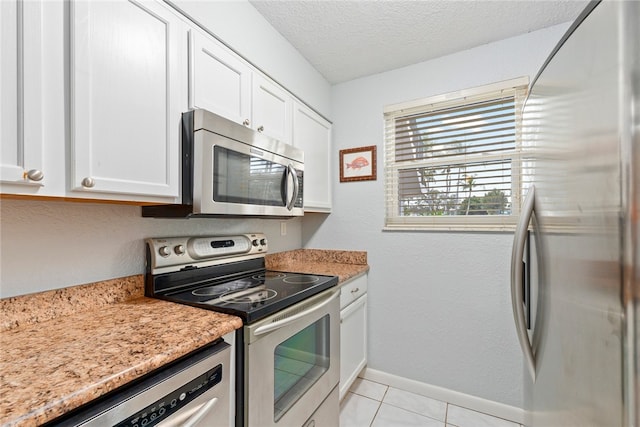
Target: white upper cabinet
x=272 y=109
x=219 y=81
x=128 y=90
x=92 y=94
x=312 y=133
x=22 y=147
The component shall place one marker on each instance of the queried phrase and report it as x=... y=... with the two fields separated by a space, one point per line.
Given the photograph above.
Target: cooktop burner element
x=301 y=279
x=225 y=274
x=269 y=275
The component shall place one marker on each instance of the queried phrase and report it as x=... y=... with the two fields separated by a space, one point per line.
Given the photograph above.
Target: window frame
x=395 y=221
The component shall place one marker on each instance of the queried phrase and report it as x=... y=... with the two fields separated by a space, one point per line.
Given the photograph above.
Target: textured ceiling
x=348 y=39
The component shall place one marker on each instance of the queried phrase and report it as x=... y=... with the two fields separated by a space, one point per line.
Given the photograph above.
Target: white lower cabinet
x=353 y=332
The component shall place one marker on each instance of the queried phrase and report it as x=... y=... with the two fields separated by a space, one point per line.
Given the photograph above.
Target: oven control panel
x=184 y=251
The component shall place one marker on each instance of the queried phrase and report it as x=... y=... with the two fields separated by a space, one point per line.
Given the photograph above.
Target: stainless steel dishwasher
x=191 y=392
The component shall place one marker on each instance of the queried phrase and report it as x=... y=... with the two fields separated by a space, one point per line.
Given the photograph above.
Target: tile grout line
x=446 y=414
x=376 y=414
x=379 y=405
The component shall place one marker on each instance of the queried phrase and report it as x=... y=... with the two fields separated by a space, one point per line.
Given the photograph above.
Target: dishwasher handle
x=194 y=419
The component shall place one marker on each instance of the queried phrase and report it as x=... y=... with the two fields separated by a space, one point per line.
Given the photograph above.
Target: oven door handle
x=284 y=322
x=200 y=413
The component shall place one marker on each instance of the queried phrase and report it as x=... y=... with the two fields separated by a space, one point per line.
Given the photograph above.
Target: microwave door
x=232 y=178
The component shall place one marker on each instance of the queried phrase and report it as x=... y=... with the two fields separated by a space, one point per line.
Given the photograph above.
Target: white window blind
x=453 y=161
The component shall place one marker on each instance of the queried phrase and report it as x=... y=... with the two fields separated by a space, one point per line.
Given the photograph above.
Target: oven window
x=245 y=179
x=299 y=362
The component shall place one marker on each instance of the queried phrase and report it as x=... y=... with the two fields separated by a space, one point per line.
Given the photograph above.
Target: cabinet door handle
x=260 y=128
x=246 y=122
x=353 y=291
x=34 y=175
x=88 y=182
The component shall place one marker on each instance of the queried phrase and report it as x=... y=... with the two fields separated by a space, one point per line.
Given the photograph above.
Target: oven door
x=292 y=362
x=234 y=178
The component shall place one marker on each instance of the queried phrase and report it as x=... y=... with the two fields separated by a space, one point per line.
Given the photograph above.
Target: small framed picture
x=358 y=164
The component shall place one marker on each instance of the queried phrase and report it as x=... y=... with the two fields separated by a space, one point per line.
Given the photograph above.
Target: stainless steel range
x=287 y=354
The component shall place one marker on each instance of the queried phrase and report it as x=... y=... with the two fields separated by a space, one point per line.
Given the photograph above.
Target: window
x=453 y=161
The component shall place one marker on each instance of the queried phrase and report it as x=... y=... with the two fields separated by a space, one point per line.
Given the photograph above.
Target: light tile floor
x=371 y=404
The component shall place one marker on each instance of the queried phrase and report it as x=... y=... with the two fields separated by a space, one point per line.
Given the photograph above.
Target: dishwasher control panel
x=174 y=401
x=194 y=389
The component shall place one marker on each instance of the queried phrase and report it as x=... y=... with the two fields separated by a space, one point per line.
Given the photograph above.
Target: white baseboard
x=468 y=401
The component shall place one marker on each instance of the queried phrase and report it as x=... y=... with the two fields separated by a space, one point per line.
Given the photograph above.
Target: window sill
x=460 y=224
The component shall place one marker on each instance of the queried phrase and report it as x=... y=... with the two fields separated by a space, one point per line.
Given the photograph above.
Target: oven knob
x=165 y=251
x=263 y=242
x=255 y=242
x=179 y=250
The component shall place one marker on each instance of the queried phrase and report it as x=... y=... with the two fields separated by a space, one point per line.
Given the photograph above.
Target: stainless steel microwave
x=231 y=170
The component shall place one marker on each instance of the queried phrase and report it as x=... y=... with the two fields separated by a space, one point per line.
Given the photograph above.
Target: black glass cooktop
x=252 y=296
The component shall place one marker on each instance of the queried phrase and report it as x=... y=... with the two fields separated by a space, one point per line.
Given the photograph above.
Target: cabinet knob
x=34 y=175
x=246 y=122
x=88 y=182
x=261 y=128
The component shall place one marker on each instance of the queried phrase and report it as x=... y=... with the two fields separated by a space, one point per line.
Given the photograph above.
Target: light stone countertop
x=344 y=264
x=63 y=348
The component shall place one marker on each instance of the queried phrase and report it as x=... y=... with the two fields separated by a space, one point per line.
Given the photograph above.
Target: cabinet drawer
x=352 y=290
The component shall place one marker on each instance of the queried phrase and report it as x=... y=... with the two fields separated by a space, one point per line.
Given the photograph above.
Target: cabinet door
x=20 y=95
x=219 y=81
x=353 y=342
x=272 y=109
x=128 y=92
x=312 y=134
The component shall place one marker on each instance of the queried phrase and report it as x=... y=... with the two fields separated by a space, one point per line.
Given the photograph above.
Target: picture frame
x=358 y=164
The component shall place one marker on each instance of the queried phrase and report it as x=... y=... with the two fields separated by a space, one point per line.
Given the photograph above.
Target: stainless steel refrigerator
x=576 y=254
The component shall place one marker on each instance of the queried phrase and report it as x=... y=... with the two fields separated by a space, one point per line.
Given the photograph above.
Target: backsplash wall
x=49 y=245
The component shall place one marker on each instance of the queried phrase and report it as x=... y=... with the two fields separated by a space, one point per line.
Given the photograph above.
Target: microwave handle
x=296 y=187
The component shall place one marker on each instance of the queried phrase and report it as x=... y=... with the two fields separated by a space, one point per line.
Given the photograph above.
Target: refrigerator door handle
x=517 y=253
